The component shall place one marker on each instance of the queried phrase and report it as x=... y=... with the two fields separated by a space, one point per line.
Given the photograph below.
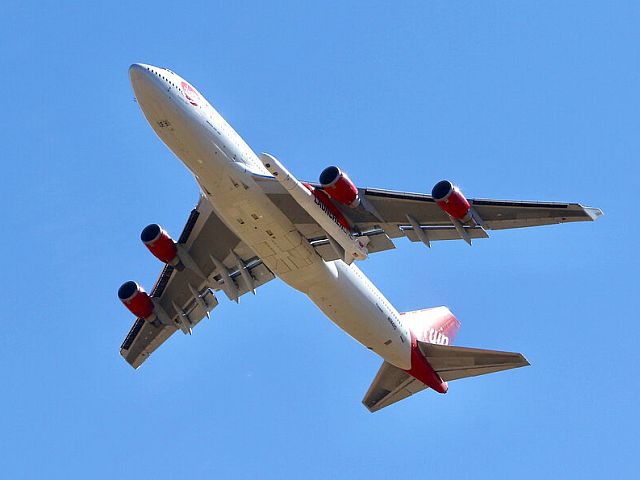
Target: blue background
x=511 y=101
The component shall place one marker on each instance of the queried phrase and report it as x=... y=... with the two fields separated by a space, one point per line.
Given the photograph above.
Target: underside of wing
x=212 y=259
x=494 y=214
x=385 y=214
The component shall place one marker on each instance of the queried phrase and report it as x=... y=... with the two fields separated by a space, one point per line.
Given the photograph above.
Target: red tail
x=432 y=325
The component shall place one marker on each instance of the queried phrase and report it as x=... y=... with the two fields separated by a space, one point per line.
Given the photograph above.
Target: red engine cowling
x=450 y=199
x=323 y=198
x=136 y=299
x=159 y=243
x=339 y=186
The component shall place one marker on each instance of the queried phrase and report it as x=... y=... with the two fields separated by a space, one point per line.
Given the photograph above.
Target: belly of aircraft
x=240 y=202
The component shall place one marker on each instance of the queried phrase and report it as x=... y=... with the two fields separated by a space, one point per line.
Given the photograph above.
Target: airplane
x=255 y=221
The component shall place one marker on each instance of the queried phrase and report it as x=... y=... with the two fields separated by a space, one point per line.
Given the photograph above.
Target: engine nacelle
x=339 y=186
x=322 y=199
x=136 y=299
x=160 y=244
x=450 y=199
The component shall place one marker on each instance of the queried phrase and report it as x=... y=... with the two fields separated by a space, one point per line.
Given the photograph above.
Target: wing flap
x=378 y=242
x=443 y=233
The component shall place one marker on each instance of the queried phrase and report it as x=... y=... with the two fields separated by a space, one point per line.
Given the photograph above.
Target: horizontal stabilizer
x=393 y=384
x=453 y=363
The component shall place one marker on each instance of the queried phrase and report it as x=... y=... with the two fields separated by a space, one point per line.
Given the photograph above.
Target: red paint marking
x=455 y=204
x=139 y=303
x=322 y=197
x=423 y=371
x=190 y=94
x=343 y=190
x=433 y=325
x=163 y=247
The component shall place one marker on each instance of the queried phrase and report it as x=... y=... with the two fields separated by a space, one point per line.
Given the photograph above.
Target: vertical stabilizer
x=432 y=325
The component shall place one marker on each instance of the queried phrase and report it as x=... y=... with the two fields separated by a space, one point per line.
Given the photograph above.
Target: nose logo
x=190 y=94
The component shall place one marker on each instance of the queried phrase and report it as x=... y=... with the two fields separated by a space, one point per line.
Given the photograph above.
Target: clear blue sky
x=511 y=101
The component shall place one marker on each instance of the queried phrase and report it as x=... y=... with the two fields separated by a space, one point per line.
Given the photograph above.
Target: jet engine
x=136 y=299
x=451 y=200
x=339 y=186
x=160 y=243
x=322 y=199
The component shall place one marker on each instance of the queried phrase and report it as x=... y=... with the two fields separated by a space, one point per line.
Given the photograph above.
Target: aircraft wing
x=392 y=384
x=385 y=214
x=217 y=260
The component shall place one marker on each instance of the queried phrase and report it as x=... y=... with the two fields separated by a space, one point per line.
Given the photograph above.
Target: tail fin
x=432 y=325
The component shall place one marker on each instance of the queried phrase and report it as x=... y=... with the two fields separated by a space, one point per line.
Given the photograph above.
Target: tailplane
x=452 y=363
x=433 y=331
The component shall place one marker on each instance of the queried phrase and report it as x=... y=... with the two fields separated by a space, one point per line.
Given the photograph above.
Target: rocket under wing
x=355 y=248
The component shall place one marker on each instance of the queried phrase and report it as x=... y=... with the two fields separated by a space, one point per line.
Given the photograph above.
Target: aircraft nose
x=142 y=80
x=149 y=88
x=137 y=71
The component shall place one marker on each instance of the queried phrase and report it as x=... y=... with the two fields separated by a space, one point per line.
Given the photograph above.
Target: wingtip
x=372 y=408
x=594 y=213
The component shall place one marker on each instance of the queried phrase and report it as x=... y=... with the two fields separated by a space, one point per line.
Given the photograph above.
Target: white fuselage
x=226 y=170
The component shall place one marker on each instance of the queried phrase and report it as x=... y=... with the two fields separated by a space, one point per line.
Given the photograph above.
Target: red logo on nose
x=190 y=94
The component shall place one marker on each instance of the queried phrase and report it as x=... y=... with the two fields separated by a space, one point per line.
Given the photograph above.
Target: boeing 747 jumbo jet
x=255 y=221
